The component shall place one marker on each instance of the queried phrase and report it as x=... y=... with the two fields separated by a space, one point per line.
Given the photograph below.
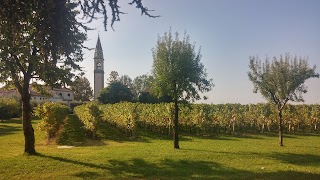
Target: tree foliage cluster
x=82 y=89
x=90 y=116
x=52 y=117
x=281 y=81
x=124 y=89
x=43 y=40
x=39 y=40
x=9 y=108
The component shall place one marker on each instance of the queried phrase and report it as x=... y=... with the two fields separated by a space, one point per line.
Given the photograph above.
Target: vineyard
x=204 y=119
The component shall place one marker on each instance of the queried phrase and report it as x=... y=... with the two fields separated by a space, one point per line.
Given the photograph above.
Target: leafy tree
x=281 y=81
x=114 y=93
x=126 y=80
x=114 y=76
x=141 y=84
x=42 y=40
x=178 y=72
x=147 y=97
x=39 y=40
x=9 y=108
x=82 y=89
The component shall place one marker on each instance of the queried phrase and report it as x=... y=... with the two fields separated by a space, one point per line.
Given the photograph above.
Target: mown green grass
x=152 y=157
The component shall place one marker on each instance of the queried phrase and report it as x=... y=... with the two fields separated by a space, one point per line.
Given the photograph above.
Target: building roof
x=62 y=89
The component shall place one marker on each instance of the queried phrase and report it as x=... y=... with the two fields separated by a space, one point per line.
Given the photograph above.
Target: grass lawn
x=153 y=157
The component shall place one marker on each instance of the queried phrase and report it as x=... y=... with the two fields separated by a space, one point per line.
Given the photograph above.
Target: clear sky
x=228 y=31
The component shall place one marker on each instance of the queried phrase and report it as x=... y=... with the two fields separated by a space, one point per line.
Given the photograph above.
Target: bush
x=52 y=116
x=72 y=132
x=122 y=115
x=9 y=108
x=90 y=116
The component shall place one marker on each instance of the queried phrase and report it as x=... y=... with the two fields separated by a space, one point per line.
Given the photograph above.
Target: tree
x=39 y=40
x=42 y=40
x=114 y=93
x=281 y=81
x=114 y=76
x=126 y=81
x=147 y=97
x=178 y=72
x=142 y=84
x=82 y=89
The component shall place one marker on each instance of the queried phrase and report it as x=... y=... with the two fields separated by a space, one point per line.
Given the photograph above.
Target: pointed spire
x=98 y=46
x=98 y=51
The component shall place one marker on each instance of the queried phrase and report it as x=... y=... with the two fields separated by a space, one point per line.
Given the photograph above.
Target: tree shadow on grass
x=285 y=175
x=105 y=131
x=12 y=121
x=7 y=130
x=88 y=175
x=168 y=169
x=138 y=168
x=298 y=159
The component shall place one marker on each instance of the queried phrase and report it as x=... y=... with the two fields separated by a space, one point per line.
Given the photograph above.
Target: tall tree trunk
x=280 y=127
x=28 y=131
x=175 y=125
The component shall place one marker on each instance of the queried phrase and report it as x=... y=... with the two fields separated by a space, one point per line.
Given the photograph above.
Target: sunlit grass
x=152 y=157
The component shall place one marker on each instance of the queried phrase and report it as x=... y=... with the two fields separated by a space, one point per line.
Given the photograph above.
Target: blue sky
x=228 y=31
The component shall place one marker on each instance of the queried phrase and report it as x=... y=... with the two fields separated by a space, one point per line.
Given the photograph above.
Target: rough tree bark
x=28 y=131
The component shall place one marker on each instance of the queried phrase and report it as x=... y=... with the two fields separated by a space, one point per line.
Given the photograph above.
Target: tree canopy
x=40 y=40
x=82 y=89
x=281 y=80
x=177 y=69
x=178 y=72
x=115 y=92
x=43 y=41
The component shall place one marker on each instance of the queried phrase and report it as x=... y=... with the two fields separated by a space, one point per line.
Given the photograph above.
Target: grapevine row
x=202 y=119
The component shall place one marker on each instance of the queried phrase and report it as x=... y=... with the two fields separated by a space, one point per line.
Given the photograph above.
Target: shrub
x=122 y=115
x=52 y=116
x=9 y=108
x=90 y=116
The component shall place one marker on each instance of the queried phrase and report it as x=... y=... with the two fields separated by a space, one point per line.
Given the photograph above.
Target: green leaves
x=52 y=116
x=82 y=90
x=9 y=107
x=205 y=119
x=177 y=69
x=114 y=93
x=41 y=40
x=281 y=80
x=90 y=116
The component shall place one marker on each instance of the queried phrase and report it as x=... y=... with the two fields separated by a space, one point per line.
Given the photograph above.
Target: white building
x=55 y=95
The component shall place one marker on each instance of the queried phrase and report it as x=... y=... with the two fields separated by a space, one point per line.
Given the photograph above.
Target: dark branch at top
x=91 y=8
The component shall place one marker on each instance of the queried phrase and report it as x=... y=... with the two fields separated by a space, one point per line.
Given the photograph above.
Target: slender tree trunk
x=280 y=128
x=175 y=125
x=28 y=131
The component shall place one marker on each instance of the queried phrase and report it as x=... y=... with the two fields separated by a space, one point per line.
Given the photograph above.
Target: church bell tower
x=98 y=70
